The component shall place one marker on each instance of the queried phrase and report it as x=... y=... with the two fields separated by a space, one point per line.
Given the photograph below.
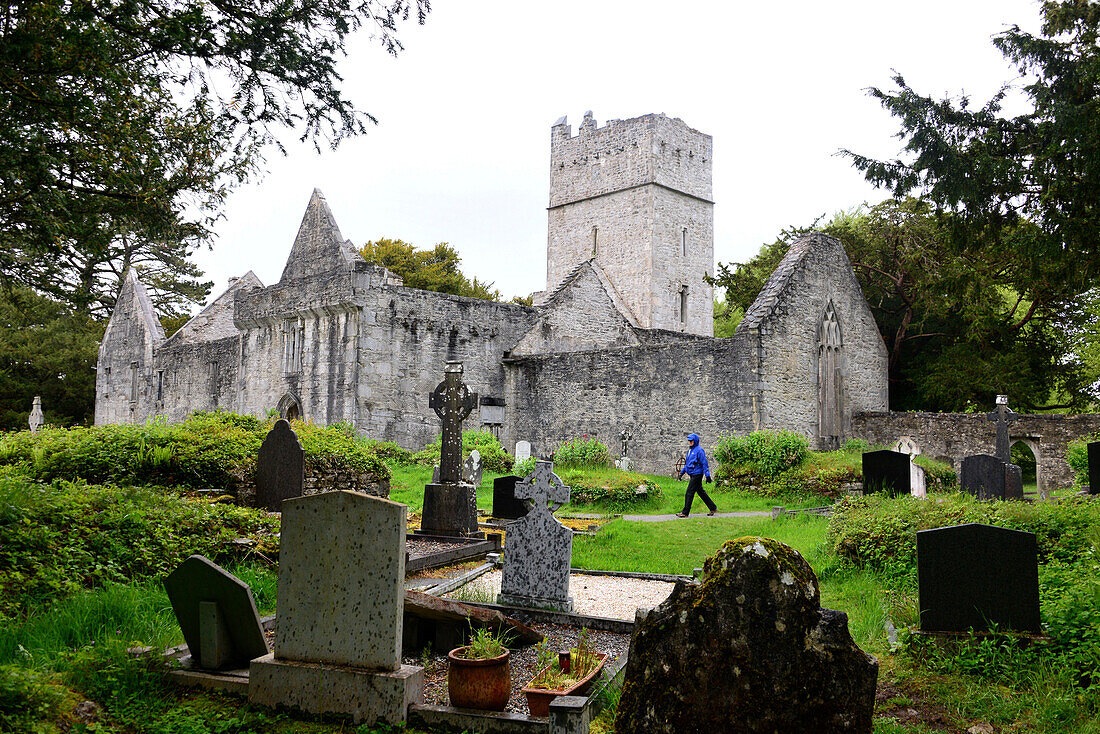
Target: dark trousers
x=695 y=487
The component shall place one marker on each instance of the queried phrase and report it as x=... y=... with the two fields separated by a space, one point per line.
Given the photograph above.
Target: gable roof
x=216 y=320
x=771 y=295
x=319 y=247
x=616 y=300
x=134 y=296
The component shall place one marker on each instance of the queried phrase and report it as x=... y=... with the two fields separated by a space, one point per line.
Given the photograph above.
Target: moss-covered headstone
x=749 y=649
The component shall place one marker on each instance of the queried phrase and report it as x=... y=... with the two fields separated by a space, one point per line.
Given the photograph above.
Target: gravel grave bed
x=523 y=663
x=418 y=548
x=596 y=596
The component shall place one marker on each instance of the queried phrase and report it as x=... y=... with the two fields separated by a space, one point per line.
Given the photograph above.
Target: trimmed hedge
x=207 y=450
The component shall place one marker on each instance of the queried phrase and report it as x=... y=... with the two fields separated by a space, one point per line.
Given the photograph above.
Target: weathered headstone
x=906 y=445
x=36 y=419
x=280 y=467
x=623 y=463
x=977 y=576
x=505 y=504
x=1094 y=467
x=988 y=478
x=886 y=471
x=523 y=450
x=1003 y=415
x=216 y=613
x=918 y=481
x=625 y=437
x=450 y=504
x=749 y=649
x=341 y=601
x=471 y=468
x=540 y=549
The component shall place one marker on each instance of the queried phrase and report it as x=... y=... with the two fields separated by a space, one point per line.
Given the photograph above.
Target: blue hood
x=694 y=439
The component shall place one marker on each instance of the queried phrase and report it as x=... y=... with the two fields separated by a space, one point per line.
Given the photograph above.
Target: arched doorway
x=1026 y=456
x=290 y=407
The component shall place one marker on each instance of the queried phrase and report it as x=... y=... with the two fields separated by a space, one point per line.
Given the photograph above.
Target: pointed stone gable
x=584 y=313
x=134 y=306
x=319 y=247
x=216 y=320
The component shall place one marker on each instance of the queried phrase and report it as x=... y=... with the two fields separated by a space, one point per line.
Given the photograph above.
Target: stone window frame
x=684 y=242
x=293 y=346
x=683 y=305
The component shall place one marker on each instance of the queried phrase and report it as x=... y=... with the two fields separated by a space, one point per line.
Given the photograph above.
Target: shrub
x=855 y=446
x=389 y=451
x=938 y=476
x=610 y=488
x=766 y=453
x=207 y=450
x=493 y=456
x=582 y=451
x=879 y=532
x=1077 y=455
x=525 y=467
x=29 y=701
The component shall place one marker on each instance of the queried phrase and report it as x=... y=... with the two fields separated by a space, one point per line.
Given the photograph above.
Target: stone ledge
x=485 y=722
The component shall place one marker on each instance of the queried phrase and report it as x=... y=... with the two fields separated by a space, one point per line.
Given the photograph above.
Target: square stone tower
x=635 y=195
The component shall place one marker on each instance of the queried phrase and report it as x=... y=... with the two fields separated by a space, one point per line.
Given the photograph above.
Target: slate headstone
x=976 y=576
x=886 y=471
x=1094 y=467
x=523 y=450
x=539 y=549
x=36 y=419
x=280 y=468
x=471 y=468
x=216 y=613
x=989 y=478
x=505 y=504
x=748 y=649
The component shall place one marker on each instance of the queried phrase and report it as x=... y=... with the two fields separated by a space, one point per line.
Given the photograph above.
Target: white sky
x=461 y=154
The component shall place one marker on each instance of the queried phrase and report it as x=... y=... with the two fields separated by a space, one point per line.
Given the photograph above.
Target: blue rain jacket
x=696 y=462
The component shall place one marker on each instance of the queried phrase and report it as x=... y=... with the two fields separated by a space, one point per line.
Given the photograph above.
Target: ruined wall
x=786 y=319
x=950 y=437
x=660 y=393
x=407 y=336
x=631 y=194
x=191 y=376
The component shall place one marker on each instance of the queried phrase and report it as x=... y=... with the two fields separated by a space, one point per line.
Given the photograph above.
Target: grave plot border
x=469 y=548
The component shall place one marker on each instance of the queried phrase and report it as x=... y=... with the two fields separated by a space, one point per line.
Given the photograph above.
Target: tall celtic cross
x=1003 y=415
x=542 y=488
x=626 y=437
x=452 y=401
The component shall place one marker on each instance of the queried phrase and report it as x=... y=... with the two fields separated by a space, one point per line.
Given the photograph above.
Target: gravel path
x=523 y=663
x=597 y=596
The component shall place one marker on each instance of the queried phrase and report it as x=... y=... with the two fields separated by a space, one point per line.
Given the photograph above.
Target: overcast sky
x=461 y=152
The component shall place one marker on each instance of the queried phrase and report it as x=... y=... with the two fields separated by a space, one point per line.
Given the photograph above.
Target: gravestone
x=988 y=478
x=36 y=419
x=748 y=649
x=918 y=480
x=216 y=613
x=906 y=445
x=623 y=463
x=523 y=450
x=450 y=503
x=976 y=576
x=1094 y=467
x=505 y=504
x=1003 y=415
x=625 y=437
x=539 y=548
x=471 y=468
x=280 y=467
x=886 y=471
x=341 y=602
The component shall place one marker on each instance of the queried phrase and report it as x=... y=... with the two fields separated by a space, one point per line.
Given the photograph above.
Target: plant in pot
x=479 y=675
x=568 y=673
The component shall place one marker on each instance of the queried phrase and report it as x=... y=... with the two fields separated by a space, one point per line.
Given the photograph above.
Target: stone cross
x=452 y=401
x=543 y=487
x=626 y=437
x=1003 y=415
x=36 y=418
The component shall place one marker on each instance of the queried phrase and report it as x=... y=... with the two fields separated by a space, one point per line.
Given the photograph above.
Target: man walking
x=696 y=467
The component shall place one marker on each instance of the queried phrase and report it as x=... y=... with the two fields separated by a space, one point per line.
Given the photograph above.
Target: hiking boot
x=680 y=514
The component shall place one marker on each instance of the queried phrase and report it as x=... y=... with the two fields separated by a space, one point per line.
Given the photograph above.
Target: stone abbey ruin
x=620 y=338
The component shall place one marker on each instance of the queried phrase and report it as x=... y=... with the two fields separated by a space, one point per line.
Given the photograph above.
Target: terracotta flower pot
x=538 y=699
x=479 y=684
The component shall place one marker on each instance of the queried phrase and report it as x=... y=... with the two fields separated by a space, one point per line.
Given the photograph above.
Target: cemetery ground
x=81 y=566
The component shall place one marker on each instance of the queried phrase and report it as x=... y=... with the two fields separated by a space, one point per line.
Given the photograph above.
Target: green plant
x=525 y=467
x=1077 y=456
x=485 y=643
x=855 y=446
x=767 y=453
x=582 y=451
x=28 y=699
x=493 y=456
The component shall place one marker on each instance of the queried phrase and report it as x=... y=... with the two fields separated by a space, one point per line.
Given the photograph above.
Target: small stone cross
x=626 y=437
x=542 y=487
x=452 y=401
x=1003 y=415
x=36 y=418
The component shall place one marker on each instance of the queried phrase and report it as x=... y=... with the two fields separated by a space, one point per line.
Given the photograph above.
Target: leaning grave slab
x=217 y=615
x=748 y=649
x=338 y=641
x=975 y=576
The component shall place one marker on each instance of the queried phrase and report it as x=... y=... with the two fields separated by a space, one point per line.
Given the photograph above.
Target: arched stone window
x=830 y=380
x=290 y=407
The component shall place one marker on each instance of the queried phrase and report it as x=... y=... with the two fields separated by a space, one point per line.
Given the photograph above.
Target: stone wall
x=950 y=437
x=124 y=388
x=322 y=479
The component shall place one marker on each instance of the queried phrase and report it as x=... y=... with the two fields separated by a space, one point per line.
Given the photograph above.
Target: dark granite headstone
x=505 y=504
x=977 y=576
x=988 y=478
x=1094 y=467
x=217 y=614
x=886 y=471
x=280 y=468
